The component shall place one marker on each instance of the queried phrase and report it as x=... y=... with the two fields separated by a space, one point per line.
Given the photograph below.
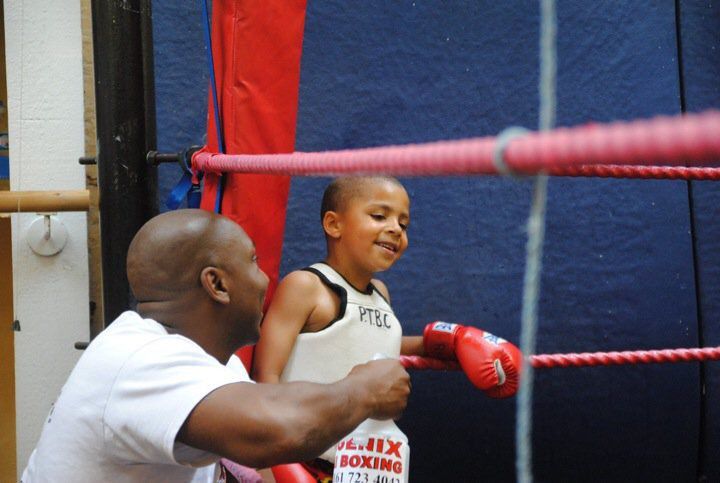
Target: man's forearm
x=262 y=425
x=302 y=420
x=325 y=414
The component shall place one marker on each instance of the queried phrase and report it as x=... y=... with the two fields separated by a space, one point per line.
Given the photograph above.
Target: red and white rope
x=692 y=139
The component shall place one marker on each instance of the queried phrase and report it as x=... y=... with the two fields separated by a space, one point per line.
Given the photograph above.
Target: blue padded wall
x=701 y=72
x=618 y=267
x=181 y=83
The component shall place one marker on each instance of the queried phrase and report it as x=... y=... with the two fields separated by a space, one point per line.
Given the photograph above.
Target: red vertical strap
x=257 y=46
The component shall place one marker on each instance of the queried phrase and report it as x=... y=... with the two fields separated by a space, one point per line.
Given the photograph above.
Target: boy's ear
x=332 y=224
x=212 y=280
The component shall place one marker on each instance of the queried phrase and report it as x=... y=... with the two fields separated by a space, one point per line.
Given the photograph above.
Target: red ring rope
x=638 y=172
x=679 y=140
x=546 y=361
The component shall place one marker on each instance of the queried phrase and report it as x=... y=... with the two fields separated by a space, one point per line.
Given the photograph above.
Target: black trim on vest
x=340 y=291
x=379 y=293
x=368 y=290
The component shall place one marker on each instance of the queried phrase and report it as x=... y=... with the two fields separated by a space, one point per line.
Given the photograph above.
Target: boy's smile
x=391 y=247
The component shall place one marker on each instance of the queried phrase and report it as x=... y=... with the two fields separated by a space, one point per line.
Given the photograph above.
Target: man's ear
x=332 y=224
x=212 y=280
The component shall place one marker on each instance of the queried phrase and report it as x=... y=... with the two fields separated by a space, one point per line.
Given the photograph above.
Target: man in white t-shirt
x=159 y=396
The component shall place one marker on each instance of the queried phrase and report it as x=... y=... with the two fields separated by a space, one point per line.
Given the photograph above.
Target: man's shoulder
x=132 y=337
x=131 y=325
x=131 y=320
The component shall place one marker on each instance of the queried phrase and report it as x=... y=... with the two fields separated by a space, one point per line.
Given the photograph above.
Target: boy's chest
x=329 y=307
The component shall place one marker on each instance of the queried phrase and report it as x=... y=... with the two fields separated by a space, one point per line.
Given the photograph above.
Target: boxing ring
x=687 y=139
x=671 y=148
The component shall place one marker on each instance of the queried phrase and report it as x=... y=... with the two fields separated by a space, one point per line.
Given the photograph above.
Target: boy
x=328 y=317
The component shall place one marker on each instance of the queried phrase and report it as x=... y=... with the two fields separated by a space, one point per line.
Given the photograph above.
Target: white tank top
x=365 y=325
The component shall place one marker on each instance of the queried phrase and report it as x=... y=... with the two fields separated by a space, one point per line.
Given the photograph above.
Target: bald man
x=159 y=396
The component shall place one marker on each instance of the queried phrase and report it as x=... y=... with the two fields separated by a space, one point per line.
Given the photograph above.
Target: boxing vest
x=365 y=325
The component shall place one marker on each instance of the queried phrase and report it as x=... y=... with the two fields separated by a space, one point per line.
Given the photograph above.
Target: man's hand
x=387 y=385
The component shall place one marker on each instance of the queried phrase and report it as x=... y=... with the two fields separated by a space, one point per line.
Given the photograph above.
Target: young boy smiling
x=328 y=317
x=331 y=316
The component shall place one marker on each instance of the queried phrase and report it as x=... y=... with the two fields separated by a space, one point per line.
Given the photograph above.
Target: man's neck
x=179 y=318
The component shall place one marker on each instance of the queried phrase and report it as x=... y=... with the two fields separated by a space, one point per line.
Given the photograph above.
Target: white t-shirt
x=120 y=410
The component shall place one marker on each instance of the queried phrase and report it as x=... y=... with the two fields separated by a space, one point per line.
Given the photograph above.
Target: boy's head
x=365 y=219
x=344 y=189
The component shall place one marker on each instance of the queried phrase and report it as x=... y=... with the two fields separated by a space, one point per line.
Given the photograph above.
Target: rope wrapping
x=584 y=359
x=638 y=172
x=546 y=361
x=692 y=139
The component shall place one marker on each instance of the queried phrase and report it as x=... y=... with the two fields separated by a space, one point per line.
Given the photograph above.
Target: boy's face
x=373 y=226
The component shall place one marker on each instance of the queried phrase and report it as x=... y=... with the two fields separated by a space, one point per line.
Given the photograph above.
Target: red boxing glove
x=492 y=364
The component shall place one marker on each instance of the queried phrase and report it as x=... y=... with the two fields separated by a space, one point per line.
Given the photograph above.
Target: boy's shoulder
x=301 y=279
x=382 y=288
x=297 y=289
x=306 y=283
x=303 y=294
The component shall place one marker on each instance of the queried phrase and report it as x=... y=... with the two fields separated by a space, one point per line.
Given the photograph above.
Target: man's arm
x=261 y=425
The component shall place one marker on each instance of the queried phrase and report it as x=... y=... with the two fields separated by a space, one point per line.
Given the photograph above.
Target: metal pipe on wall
x=125 y=110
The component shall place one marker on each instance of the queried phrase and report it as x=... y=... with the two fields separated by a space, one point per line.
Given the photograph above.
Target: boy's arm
x=294 y=301
x=411 y=345
x=491 y=363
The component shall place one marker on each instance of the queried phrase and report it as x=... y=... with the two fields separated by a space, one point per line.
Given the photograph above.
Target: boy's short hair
x=341 y=190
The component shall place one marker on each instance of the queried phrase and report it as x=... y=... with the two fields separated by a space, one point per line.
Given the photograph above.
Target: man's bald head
x=168 y=253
